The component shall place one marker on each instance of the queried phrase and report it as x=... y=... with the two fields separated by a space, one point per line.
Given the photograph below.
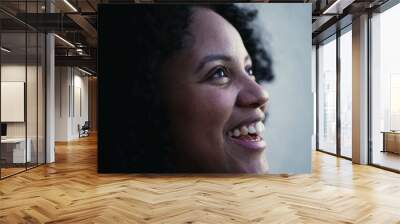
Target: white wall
x=80 y=84
x=33 y=127
x=70 y=84
x=14 y=72
x=62 y=81
x=12 y=101
x=17 y=72
x=286 y=31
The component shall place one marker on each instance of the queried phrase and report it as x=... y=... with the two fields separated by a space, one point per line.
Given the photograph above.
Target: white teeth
x=252 y=130
x=236 y=132
x=244 y=130
x=259 y=127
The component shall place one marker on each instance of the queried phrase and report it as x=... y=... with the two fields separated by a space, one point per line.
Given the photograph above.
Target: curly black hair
x=154 y=33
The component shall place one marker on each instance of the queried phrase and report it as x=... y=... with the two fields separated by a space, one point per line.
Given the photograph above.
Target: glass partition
x=22 y=77
x=35 y=49
x=31 y=100
x=14 y=153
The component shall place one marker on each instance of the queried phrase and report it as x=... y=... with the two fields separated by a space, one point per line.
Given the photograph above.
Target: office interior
x=49 y=81
x=375 y=88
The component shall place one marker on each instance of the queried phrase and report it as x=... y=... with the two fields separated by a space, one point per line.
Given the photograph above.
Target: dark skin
x=212 y=93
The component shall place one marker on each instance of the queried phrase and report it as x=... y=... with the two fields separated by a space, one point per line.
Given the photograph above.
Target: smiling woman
x=193 y=83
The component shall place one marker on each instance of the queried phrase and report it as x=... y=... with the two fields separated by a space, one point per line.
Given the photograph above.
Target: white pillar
x=360 y=90
x=50 y=92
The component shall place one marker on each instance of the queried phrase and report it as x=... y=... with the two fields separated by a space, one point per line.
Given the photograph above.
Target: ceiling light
x=326 y=11
x=5 y=50
x=70 y=5
x=338 y=6
x=65 y=41
x=84 y=71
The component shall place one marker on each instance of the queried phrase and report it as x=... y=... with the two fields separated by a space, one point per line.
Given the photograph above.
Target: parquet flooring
x=387 y=159
x=10 y=171
x=71 y=191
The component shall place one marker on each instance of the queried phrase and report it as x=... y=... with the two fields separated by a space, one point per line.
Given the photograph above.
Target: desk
x=15 y=148
x=391 y=141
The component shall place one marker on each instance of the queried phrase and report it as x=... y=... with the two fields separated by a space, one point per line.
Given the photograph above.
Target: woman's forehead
x=212 y=34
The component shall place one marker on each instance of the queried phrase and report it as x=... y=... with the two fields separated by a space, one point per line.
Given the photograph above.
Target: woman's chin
x=243 y=160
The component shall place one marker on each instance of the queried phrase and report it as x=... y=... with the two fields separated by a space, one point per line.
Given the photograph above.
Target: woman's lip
x=250 y=145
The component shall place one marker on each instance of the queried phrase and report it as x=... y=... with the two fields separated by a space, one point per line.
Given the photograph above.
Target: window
x=327 y=96
x=385 y=88
x=346 y=92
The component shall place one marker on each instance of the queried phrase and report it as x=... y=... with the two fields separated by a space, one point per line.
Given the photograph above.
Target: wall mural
x=222 y=88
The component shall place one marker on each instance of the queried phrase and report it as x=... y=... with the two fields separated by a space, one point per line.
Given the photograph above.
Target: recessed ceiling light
x=84 y=71
x=70 y=5
x=337 y=7
x=5 y=50
x=65 y=41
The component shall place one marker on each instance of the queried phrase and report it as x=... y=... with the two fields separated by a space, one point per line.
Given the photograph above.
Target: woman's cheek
x=219 y=103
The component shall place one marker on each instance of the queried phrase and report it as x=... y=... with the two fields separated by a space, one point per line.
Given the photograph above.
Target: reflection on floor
x=386 y=159
x=10 y=169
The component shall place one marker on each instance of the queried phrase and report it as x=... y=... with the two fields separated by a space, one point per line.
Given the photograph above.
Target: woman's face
x=214 y=104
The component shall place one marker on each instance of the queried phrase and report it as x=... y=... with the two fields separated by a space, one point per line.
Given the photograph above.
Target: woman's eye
x=219 y=76
x=219 y=73
x=249 y=71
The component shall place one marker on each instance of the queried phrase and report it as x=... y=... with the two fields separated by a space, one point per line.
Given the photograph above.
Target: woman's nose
x=253 y=95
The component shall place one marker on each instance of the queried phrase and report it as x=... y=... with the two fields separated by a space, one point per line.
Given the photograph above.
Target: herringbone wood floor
x=71 y=191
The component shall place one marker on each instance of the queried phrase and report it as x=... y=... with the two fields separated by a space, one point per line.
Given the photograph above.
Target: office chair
x=84 y=130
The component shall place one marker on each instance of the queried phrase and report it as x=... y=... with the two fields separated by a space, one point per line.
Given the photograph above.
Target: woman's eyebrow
x=212 y=57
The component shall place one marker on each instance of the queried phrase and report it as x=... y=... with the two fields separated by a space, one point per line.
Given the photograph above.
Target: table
x=391 y=141
x=13 y=150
